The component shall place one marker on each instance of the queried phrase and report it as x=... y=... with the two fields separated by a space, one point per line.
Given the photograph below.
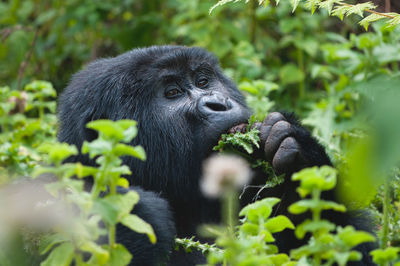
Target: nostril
x=217 y=107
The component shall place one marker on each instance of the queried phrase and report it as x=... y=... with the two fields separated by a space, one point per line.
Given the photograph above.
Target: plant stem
x=111 y=236
x=230 y=209
x=386 y=203
x=369 y=11
x=78 y=259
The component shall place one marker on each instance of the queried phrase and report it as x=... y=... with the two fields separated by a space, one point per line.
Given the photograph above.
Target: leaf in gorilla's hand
x=236 y=140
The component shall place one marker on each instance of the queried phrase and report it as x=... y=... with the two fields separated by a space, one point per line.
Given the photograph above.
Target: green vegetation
x=342 y=79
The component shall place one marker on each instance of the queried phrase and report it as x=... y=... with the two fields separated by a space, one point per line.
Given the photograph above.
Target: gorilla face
x=180 y=98
x=197 y=97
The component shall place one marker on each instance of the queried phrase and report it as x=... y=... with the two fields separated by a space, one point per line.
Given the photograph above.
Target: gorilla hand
x=288 y=146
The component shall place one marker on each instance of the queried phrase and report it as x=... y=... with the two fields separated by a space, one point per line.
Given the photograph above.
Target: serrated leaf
x=360 y=8
x=220 y=3
x=340 y=11
x=329 y=4
x=395 y=21
x=294 y=4
x=312 y=4
x=369 y=19
x=138 y=225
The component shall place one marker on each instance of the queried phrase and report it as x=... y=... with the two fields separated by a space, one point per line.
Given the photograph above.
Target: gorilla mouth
x=240 y=125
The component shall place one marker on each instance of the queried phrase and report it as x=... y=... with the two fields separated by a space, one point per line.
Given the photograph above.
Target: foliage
x=324 y=247
x=385 y=256
x=341 y=81
x=245 y=141
x=189 y=244
x=252 y=241
x=243 y=144
x=26 y=120
x=336 y=8
x=83 y=232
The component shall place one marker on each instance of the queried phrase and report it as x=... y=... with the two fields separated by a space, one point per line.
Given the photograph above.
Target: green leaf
x=47 y=242
x=138 y=225
x=261 y=208
x=369 y=19
x=312 y=4
x=113 y=130
x=352 y=238
x=360 y=8
x=290 y=74
x=58 y=151
x=84 y=171
x=328 y=4
x=124 y=202
x=62 y=255
x=123 y=182
x=123 y=149
x=278 y=224
x=310 y=204
x=249 y=228
x=395 y=21
x=220 y=3
x=384 y=256
x=314 y=227
x=294 y=4
x=102 y=255
x=96 y=147
x=119 y=256
x=107 y=210
x=340 y=11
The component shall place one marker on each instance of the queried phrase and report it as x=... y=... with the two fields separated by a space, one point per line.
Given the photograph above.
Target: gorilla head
x=180 y=98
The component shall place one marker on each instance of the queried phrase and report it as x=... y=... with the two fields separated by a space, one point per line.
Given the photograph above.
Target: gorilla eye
x=202 y=82
x=172 y=93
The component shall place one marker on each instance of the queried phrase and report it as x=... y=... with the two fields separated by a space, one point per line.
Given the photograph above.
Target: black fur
x=177 y=134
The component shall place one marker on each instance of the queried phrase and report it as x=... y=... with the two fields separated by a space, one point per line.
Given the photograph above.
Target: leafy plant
x=324 y=247
x=27 y=119
x=252 y=242
x=102 y=204
x=336 y=8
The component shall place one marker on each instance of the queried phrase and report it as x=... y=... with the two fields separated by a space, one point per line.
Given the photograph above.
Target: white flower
x=222 y=172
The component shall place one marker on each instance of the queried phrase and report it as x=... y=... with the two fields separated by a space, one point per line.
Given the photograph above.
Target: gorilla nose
x=214 y=103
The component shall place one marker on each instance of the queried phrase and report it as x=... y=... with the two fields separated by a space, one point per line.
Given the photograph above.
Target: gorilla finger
x=238 y=128
x=267 y=124
x=278 y=133
x=285 y=158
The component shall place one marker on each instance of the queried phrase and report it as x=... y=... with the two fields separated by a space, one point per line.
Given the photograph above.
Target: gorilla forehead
x=169 y=57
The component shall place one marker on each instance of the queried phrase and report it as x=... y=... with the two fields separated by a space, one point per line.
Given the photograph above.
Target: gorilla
x=183 y=103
